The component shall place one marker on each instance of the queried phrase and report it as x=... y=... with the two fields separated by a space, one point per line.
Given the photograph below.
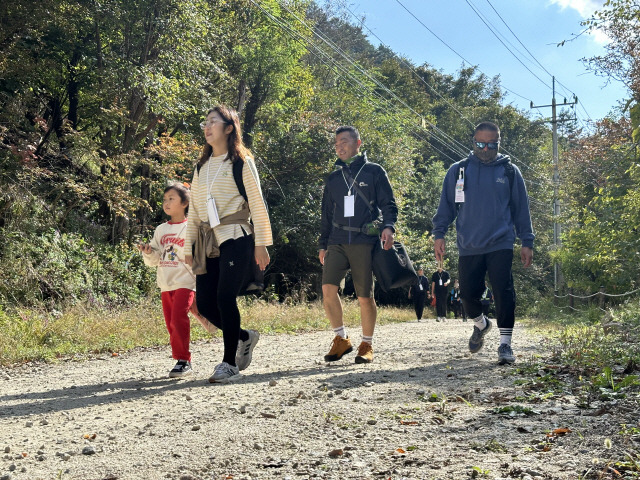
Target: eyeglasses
x=210 y=123
x=489 y=145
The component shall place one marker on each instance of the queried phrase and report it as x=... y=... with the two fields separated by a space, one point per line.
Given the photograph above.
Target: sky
x=540 y=25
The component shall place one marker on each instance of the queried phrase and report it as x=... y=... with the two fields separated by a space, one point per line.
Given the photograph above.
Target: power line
x=503 y=44
x=535 y=59
x=285 y=26
x=452 y=49
x=437 y=134
x=518 y=39
x=433 y=90
x=413 y=70
x=334 y=47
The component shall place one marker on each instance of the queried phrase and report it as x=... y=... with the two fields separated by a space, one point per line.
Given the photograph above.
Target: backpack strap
x=509 y=172
x=238 y=165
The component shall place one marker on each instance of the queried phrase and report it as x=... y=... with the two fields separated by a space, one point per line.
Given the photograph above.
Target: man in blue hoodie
x=487 y=197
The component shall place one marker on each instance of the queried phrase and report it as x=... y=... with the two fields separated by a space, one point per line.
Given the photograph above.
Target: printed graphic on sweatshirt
x=169 y=256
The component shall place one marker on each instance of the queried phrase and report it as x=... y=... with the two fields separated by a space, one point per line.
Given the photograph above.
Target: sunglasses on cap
x=489 y=145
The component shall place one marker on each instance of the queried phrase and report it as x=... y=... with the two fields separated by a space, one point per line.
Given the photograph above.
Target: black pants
x=472 y=270
x=216 y=292
x=441 y=302
x=457 y=309
x=418 y=305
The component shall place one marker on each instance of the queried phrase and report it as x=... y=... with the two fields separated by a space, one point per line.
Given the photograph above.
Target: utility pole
x=556 y=177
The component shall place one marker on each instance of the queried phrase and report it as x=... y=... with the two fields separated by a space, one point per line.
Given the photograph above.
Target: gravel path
x=294 y=416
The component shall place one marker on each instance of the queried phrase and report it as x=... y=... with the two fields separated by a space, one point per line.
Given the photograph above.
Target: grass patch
x=31 y=335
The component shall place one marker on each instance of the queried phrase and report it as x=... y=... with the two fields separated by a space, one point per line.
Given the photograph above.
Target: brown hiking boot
x=339 y=347
x=365 y=353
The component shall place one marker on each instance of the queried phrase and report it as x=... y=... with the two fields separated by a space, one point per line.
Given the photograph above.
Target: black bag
x=393 y=268
x=254 y=277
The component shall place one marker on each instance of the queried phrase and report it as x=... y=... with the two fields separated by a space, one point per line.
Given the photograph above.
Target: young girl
x=175 y=279
x=221 y=271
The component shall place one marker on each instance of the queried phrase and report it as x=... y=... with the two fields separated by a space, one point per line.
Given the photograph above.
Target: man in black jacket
x=355 y=195
x=418 y=292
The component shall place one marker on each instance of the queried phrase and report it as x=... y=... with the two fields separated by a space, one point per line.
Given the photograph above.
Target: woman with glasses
x=230 y=230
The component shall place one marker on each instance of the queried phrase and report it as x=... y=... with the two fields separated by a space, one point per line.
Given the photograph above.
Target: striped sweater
x=216 y=178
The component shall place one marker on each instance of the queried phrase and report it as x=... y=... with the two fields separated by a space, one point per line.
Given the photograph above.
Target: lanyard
x=354 y=180
x=216 y=176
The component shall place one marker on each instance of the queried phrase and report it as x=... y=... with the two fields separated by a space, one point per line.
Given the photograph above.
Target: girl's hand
x=145 y=248
x=188 y=259
x=262 y=256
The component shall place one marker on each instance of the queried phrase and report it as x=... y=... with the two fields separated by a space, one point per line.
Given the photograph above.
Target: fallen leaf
x=24 y=454
x=559 y=431
x=614 y=471
x=336 y=453
x=408 y=422
x=399 y=451
x=268 y=415
x=115 y=354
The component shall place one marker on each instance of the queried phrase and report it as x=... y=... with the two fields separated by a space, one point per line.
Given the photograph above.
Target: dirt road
x=424 y=409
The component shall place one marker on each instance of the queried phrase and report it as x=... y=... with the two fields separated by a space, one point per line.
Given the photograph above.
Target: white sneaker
x=224 y=373
x=244 y=352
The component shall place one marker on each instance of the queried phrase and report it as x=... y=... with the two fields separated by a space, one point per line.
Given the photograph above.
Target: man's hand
x=387 y=238
x=439 y=249
x=188 y=259
x=321 y=254
x=262 y=256
x=526 y=255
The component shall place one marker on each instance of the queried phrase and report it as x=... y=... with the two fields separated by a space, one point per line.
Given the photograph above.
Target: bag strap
x=238 y=165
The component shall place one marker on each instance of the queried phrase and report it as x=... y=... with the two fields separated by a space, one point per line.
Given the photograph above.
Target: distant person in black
x=440 y=280
x=456 y=301
x=486 y=299
x=418 y=292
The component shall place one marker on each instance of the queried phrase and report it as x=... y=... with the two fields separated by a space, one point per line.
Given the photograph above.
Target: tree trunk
x=242 y=96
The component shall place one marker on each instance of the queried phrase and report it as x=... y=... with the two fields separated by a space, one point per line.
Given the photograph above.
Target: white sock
x=340 y=331
x=480 y=322
x=505 y=335
x=369 y=340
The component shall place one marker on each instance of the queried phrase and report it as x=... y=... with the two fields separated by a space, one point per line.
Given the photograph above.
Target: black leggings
x=216 y=292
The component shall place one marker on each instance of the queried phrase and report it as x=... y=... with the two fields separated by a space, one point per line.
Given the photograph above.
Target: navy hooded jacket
x=484 y=221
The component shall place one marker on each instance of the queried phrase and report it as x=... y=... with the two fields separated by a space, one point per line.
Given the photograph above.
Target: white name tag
x=440 y=282
x=212 y=211
x=420 y=287
x=349 y=205
x=460 y=191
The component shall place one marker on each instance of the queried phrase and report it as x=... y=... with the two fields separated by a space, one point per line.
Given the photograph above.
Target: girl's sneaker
x=225 y=373
x=181 y=369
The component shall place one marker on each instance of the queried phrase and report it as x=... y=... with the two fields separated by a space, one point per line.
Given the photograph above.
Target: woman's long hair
x=235 y=147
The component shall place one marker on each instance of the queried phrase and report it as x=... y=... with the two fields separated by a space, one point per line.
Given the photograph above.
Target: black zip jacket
x=374 y=183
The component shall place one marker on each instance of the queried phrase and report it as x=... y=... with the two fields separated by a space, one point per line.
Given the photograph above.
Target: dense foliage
x=100 y=105
x=601 y=174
